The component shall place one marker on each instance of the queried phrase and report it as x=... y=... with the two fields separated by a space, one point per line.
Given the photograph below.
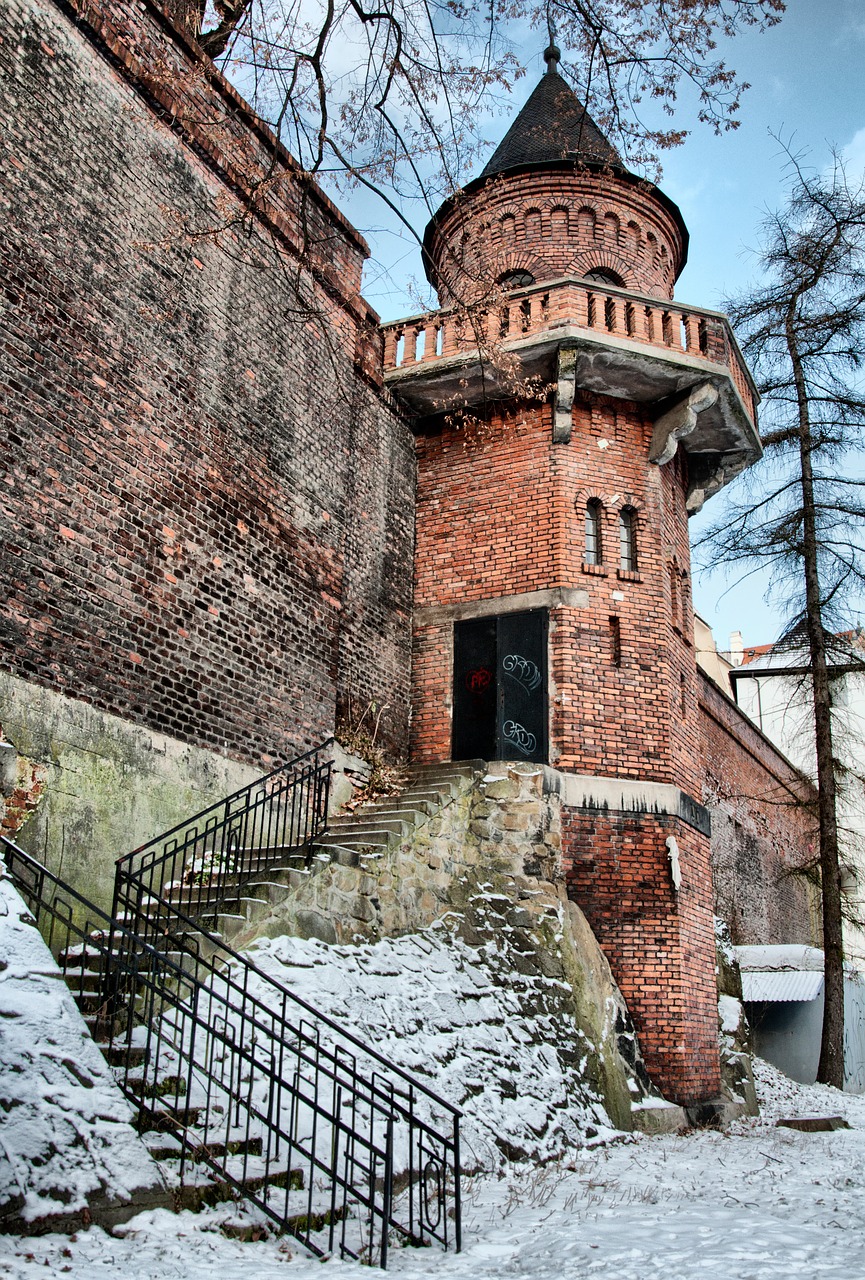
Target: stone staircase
x=189 y=1182
x=368 y=832
x=242 y=1090
x=350 y=838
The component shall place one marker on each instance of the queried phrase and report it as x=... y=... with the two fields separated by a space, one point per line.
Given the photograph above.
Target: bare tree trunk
x=831 y=1068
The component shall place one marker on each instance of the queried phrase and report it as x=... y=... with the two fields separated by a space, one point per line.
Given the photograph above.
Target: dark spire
x=552 y=57
x=553 y=125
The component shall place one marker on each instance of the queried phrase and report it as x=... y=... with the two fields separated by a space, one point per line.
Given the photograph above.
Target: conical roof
x=553 y=125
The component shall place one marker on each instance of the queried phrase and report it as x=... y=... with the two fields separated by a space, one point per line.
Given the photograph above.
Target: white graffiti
x=519 y=737
x=523 y=670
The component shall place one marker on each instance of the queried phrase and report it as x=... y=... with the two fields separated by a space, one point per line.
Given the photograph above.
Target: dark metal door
x=522 y=681
x=474 y=732
x=500 y=688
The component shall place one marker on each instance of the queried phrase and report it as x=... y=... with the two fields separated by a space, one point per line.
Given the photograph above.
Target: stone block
x=503 y=789
x=314 y=924
x=363 y=909
x=659 y=1118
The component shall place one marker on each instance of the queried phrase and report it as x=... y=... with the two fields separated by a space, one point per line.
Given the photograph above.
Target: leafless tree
x=802 y=510
x=390 y=95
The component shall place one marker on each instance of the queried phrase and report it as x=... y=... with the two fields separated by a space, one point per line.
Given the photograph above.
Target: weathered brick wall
x=762 y=830
x=501 y=512
x=660 y=944
x=207 y=503
x=556 y=223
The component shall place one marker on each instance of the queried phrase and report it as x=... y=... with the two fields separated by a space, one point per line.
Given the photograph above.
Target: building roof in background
x=791 y=652
x=780 y=973
x=755 y=651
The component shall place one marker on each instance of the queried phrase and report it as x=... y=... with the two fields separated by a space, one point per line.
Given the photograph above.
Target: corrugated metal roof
x=781 y=984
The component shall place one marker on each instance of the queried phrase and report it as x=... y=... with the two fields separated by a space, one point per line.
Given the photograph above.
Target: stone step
x=81 y=959
x=167 y=1120
x=446 y=769
x=207 y=1189
x=167 y=1146
x=123 y=1055
x=354 y=838
x=386 y=823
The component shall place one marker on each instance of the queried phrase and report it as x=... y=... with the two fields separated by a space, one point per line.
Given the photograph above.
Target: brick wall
x=207 y=500
x=762 y=829
x=554 y=223
x=501 y=512
x=660 y=944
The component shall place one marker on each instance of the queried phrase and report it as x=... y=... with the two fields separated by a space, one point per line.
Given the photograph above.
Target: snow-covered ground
x=754 y=1202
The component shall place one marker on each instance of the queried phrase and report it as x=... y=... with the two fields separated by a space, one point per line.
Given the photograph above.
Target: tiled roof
x=553 y=125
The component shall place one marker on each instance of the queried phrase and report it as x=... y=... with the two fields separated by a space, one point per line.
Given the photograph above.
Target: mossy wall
x=88 y=787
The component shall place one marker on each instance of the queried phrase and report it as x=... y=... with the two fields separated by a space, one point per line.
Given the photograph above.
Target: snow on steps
x=69 y=1154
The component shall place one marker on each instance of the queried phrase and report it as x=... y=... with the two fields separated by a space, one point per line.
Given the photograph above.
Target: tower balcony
x=627 y=345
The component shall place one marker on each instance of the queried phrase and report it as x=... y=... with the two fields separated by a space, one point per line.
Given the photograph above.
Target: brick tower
x=552 y=601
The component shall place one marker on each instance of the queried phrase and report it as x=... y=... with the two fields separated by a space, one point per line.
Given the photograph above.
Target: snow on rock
x=730 y=1014
x=67 y=1148
x=431 y=1005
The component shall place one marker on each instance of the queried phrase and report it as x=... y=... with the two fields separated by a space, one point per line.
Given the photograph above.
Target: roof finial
x=552 y=54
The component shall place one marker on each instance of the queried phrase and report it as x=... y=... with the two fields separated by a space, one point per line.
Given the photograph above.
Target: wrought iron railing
x=249 y=1083
x=207 y=859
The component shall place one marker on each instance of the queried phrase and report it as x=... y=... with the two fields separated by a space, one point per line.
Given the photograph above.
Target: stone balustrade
x=576 y=304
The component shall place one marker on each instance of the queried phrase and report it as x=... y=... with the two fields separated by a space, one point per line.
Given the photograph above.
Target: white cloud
x=854 y=154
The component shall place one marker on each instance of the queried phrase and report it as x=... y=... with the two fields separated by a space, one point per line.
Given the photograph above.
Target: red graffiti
x=477 y=681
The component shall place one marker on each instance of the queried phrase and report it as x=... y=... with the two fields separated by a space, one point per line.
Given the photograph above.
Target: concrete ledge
x=623 y=795
x=551 y=598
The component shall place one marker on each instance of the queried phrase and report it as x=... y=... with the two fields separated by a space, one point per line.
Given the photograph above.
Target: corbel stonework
x=680 y=421
x=563 y=403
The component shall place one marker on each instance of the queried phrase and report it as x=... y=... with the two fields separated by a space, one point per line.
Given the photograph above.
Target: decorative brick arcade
x=552 y=545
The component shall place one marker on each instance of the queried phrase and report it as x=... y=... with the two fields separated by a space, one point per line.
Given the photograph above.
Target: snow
x=730 y=1014
x=754 y=1203
x=789 y=956
x=66 y=1136
x=434 y=1007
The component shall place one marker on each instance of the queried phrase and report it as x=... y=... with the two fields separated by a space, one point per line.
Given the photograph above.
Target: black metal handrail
x=251 y=1082
x=211 y=855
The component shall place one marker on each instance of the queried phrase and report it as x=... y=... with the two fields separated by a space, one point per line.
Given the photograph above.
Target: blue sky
x=808 y=86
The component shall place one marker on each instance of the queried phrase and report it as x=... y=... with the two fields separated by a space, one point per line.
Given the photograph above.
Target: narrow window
x=627 y=540
x=674 y=595
x=615 y=642
x=682 y=698
x=594 y=546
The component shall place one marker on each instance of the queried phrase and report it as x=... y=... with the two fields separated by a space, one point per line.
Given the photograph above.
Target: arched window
x=600 y=275
x=628 y=540
x=594 y=551
x=516 y=279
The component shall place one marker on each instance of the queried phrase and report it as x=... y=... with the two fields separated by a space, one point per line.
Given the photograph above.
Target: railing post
x=387 y=1198
x=458 y=1208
